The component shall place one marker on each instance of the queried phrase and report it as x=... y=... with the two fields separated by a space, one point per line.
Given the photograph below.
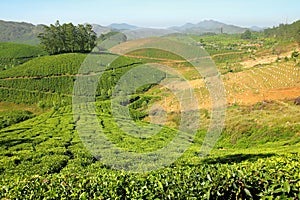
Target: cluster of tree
x=67 y=38
x=285 y=31
x=247 y=35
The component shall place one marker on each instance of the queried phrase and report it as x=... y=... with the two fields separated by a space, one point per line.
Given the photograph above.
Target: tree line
x=285 y=31
x=67 y=38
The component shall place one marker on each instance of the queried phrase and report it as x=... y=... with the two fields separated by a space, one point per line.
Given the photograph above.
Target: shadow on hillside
x=13 y=142
x=12 y=130
x=236 y=158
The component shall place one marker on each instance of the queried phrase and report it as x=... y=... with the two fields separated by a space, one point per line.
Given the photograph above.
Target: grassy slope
x=46 y=153
x=51 y=78
x=14 y=50
x=12 y=54
x=48 y=79
x=46 y=157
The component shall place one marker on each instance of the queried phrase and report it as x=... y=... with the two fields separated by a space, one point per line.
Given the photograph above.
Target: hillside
x=83 y=144
x=45 y=80
x=49 y=80
x=15 y=50
x=47 y=154
x=13 y=54
x=101 y=29
x=19 y=32
x=209 y=26
x=26 y=33
x=285 y=31
x=122 y=26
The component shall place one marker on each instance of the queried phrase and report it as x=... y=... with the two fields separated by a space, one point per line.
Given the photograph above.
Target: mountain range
x=208 y=26
x=22 y=32
x=19 y=32
x=123 y=26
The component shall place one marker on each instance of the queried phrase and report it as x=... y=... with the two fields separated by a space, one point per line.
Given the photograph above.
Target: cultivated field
x=257 y=155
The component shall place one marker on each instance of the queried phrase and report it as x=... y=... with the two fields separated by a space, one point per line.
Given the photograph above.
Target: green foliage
x=13 y=50
x=116 y=70
x=295 y=54
x=285 y=31
x=13 y=117
x=47 y=66
x=297 y=36
x=67 y=38
x=33 y=97
x=44 y=158
x=106 y=36
x=221 y=181
x=247 y=35
x=48 y=79
x=137 y=103
x=156 y=54
x=61 y=85
x=51 y=78
x=12 y=54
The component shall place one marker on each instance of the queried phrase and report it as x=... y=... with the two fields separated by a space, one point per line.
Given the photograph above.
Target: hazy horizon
x=158 y=14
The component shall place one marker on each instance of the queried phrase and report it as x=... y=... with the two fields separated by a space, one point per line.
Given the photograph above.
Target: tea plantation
x=44 y=156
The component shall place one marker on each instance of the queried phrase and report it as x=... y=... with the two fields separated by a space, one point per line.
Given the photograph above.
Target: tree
x=92 y=37
x=247 y=35
x=68 y=38
x=70 y=31
x=297 y=37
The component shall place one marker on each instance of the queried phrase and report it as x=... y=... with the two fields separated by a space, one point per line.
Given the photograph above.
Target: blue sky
x=152 y=13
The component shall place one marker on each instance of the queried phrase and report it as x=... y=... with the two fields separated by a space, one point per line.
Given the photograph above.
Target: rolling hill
x=122 y=26
x=101 y=29
x=47 y=155
x=13 y=54
x=21 y=32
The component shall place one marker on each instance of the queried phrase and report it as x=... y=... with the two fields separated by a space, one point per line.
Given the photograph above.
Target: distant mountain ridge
x=101 y=29
x=26 y=33
x=146 y=32
x=209 y=26
x=123 y=26
x=19 y=32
